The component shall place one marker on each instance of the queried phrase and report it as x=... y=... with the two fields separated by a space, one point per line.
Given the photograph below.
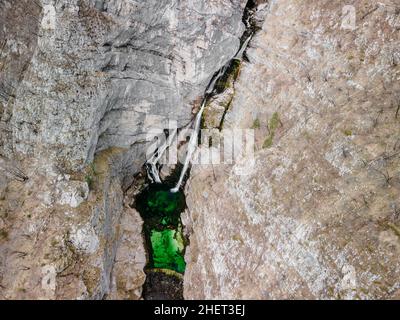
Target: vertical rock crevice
x=160 y=206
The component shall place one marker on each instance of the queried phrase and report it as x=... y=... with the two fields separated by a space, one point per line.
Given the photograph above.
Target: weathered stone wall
x=19 y=25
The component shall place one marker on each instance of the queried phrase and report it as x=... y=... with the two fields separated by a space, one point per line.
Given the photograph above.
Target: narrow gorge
x=161 y=203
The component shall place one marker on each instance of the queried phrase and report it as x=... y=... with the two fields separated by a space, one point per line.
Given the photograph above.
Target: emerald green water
x=160 y=210
x=168 y=247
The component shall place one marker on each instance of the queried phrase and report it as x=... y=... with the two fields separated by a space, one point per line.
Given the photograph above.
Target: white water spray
x=153 y=173
x=152 y=162
x=211 y=86
x=191 y=146
x=239 y=55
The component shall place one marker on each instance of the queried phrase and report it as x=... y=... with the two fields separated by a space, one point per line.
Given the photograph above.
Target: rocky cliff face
x=81 y=84
x=317 y=214
x=105 y=71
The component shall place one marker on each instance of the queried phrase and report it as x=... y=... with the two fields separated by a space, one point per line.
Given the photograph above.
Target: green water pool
x=161 y=210
x=168 y=249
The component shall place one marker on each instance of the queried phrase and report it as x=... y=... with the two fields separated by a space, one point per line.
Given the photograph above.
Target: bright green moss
x=256 y=124
x=229 y=77
x=348 y=133
x=273 y=124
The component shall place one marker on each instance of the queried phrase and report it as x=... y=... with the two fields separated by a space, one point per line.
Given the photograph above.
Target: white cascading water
x=153 y=173
x=211 y=85
x=191 y=146
x=152 y=162
x=239 y=55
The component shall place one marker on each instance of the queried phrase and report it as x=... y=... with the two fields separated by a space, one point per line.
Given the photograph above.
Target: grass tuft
x=273 y=124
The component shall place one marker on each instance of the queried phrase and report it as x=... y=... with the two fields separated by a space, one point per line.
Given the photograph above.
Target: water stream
x=192 y=145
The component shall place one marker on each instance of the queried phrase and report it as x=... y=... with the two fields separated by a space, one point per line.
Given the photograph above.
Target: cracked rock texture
x=317 y=215
x=81 y=83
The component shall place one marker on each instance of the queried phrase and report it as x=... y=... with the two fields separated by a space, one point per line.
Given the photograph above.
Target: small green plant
x=238 y=238
x=256 y=124
x=307 y=135
x=268 y=142
x=89 y=180
x=348 y=133
x=54 y=242
x=273 y=124
x=90 y=176
x=3 y=234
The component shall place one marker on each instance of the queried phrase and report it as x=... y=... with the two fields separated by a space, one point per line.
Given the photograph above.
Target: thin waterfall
x=194 y=137
x=211 y=85
x=152 y=162
x=191 y=146
x=239 y=55
x=153 y=172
